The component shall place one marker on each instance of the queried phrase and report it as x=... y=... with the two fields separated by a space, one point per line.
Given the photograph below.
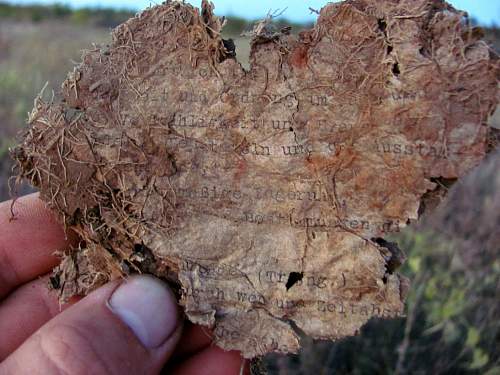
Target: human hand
x=128 y=327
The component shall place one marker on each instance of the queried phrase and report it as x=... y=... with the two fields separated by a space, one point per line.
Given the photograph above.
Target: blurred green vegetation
x=31 y=55
x=13 y=98
x=453 y=312
x=106 y=17
x=101 y=17
x=5 y=145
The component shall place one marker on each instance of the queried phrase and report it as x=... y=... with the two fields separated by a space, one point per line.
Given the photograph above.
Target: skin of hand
x=131 y=326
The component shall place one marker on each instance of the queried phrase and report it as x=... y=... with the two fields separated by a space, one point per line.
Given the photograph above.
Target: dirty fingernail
x=148 y=307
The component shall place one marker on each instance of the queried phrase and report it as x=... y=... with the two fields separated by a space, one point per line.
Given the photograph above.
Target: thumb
x=132 y=327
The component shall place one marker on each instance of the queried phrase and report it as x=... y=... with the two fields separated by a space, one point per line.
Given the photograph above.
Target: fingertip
x=123 y=327
x=29 y=237
x=212 y=360
x=26 y=207
x=148 y=307
x=194 y=339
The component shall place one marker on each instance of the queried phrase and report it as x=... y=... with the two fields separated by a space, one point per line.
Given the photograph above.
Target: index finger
x=27 y=242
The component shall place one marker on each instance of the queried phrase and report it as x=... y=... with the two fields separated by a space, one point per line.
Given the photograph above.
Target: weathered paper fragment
x=265 y=195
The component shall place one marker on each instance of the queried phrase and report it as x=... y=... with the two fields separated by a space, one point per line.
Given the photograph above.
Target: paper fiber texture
x=265 y=195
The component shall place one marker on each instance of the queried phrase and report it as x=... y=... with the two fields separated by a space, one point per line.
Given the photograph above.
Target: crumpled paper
x=265 y=196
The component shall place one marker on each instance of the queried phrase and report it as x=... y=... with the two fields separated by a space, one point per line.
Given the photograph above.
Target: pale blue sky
x=486 y=12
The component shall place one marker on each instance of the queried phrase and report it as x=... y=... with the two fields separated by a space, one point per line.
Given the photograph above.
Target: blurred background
x=453 y=312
